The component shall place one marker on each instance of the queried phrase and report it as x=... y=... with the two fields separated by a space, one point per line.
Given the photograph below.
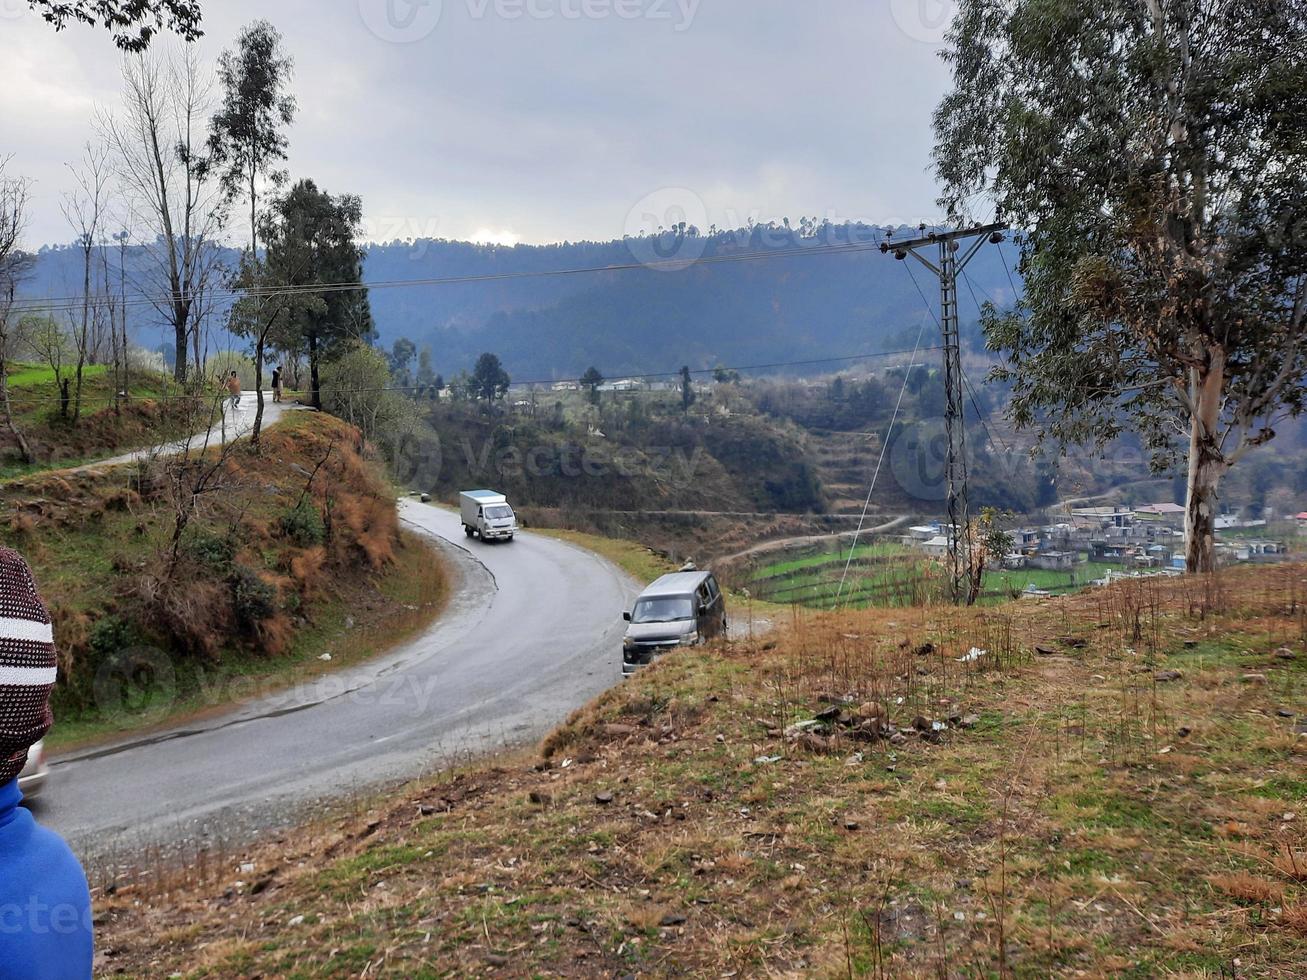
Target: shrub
x=253 y=599
x=303 y=525
x=211 y=550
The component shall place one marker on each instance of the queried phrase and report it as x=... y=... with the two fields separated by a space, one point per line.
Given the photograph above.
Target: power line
x=866 y=504
x=72 y=303
x=181 y=396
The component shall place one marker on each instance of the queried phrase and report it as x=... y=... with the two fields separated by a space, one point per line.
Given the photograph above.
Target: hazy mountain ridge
x=759 y=311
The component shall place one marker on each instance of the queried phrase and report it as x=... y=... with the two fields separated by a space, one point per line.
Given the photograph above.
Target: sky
x=546 y=120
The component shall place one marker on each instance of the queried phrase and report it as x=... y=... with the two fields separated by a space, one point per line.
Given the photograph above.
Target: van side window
x=713 y=591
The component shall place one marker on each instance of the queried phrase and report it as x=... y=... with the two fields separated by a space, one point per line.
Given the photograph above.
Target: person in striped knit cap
x=45 y=906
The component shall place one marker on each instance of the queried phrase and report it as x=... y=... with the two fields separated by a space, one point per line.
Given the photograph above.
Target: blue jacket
x=45 y=906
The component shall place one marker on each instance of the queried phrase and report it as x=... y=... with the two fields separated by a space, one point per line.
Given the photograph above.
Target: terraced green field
x=889 y=573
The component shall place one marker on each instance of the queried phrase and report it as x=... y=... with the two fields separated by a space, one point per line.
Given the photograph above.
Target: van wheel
x=467 y=530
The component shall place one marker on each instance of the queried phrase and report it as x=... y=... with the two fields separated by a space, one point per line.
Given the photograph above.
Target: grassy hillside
x=1114 y=788
x=154 y=412
x=290 y=554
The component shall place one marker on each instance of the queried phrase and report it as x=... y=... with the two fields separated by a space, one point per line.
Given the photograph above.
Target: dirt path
x=781 y=544
x=233 y=426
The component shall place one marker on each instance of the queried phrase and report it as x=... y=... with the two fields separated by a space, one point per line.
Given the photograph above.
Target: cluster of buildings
x=1150 y=536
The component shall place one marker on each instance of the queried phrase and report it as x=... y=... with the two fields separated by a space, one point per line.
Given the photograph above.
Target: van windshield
x=498 y=512
x=670 y=609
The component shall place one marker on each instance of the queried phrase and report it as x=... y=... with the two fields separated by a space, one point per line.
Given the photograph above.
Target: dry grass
x=1048 y=809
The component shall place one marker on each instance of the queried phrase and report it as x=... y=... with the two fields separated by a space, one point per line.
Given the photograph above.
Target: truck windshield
x=498 y=512
x=667 y=610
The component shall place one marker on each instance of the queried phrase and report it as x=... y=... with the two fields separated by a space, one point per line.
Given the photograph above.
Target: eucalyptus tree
x=133 y=23
x=1155 y=154
x=246 y=142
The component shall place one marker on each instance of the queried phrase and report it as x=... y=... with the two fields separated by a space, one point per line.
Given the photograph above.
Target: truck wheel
x=467 y=530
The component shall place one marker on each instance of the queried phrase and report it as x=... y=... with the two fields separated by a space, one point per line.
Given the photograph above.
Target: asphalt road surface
x=533 y=630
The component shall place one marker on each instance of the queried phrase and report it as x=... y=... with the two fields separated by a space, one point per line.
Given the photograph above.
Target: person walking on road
x=234 y=389
x=45 y=905
x=276 y=383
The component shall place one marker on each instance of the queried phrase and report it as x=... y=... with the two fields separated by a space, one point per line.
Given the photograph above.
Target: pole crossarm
x=934 y=237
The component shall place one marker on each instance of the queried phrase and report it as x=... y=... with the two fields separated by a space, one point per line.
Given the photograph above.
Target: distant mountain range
x=759 y=296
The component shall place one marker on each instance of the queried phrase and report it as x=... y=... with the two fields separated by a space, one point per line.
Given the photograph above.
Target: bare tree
x=45 y=338
x=14 y=192
x=84 y=209
x=159 y=142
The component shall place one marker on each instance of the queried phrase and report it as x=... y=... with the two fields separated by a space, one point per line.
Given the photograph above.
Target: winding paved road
x=533 y=630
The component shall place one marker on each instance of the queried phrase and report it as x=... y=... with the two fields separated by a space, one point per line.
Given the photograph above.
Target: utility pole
x=951 y=259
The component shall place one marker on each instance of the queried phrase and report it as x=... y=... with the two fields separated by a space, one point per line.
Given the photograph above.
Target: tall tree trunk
x=77 y=400
x=1207 y=465
x=181 y=341
x=23 y=448
x=313 y=370
x=258 y=389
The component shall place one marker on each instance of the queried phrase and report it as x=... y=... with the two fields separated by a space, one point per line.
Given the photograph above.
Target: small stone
x=898 y=738
x=1165 y=676
x=425 y=809
x=1289 y=817
x=297 y=920
x=1183 y=731
x=1285 y=713
x=1284 y=653
x=850 y=824
x=969 y=721
x=829 y=714
x=1190 y=644
x=871 y=709
x=1253 y=678
x=539 y=798
x=672 y=919
x=721 y=737
x=604 y=797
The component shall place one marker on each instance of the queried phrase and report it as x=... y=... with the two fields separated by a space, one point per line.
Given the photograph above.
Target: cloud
x=547 y=120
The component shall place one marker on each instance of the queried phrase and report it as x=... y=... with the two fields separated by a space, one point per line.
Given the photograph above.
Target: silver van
x=680 y=609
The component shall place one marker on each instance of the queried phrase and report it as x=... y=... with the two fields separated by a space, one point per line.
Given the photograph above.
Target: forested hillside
x=796 y=307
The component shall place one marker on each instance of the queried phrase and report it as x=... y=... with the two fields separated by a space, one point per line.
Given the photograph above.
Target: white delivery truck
x=487 y=515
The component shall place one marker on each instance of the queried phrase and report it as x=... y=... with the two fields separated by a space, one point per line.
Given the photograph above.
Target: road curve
x=533 y=630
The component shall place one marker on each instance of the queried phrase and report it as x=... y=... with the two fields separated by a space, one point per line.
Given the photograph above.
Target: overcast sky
x=548 y=120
